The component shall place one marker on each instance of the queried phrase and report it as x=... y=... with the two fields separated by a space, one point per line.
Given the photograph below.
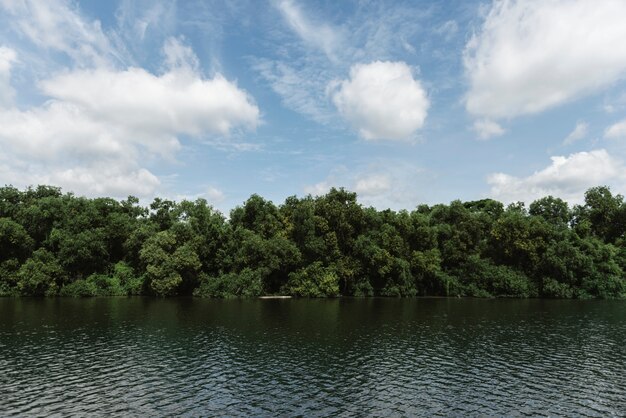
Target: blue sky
x=403 y=102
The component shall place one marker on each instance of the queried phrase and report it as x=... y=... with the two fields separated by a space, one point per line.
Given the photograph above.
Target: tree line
x=54 y=243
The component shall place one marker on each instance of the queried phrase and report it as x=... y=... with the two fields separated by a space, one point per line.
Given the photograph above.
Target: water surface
x=380 y=357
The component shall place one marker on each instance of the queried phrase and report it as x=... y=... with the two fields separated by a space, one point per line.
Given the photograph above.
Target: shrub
x=130 y=283
x=94 y=285
x=247 y=283
x=506 y=281
x=313 y=281
x=80 y=289
x=554 y=289
x=363 y=288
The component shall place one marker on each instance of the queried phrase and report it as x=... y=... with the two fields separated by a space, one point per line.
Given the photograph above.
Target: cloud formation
x=365 y=184
x=58 y=25
x=372 y=184
x=579 y=132
x=566 y=177
x=382 y=100
x=176 y=102
x=297 y=71
x=532 y=55
x=320 y=35
x=487 y=129
x=103 y=122
x=101 y=115
x=617 y=130
x=7 y=58
x=383 y=184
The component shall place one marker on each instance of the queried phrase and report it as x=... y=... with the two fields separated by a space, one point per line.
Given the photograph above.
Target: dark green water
x=312 y=357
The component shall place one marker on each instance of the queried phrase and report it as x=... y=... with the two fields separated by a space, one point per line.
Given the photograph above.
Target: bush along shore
x=58 y=244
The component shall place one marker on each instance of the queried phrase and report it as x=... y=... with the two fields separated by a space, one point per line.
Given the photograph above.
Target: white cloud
x=300 y=74
x=372 y=184
x=100 y=126
x=179 y=56
x=383 y=184
x=319 y=35
x=60 y=129
x=58 y=25
x=213 y=195
x=533 y=55
x=566 y=177
x=318 y=189
x=178 y=101
x=7 y=58
x=617 y=130
x=105 y=180
x=141 y=19
x=97 y=178
x=487 y=129
x=579 y=132
x=365 y=184
x=59 y=144
x=382 y=100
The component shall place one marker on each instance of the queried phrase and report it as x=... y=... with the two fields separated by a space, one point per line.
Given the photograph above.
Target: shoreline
x=289 y=297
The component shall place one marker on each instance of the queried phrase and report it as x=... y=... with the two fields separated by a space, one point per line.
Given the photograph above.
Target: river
x=350 y=357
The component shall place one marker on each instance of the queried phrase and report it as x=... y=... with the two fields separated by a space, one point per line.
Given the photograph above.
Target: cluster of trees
x=60 y=244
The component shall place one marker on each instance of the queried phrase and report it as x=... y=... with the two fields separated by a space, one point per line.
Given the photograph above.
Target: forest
x=58 y=244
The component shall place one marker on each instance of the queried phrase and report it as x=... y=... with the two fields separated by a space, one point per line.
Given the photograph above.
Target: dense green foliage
x=59 y=244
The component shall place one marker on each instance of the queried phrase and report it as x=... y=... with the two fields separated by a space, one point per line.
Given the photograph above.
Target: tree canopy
x=53 y=243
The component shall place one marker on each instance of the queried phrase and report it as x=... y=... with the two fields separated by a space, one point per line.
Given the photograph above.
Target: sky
x=403 y=102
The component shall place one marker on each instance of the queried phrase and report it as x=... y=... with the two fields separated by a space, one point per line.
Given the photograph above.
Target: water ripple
x=120 y=357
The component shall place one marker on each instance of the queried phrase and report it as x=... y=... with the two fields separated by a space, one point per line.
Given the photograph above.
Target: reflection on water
x=289 y=357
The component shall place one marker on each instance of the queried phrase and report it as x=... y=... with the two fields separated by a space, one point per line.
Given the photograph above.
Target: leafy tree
x=53 y=243
x=344 y=216
x=257 y=215
x=554 y=210
x=40 y=275
x=15 y=243
x=80 y=253
x=604 y=213
x=206 y=231
x=274 y=258
x=169 y=263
